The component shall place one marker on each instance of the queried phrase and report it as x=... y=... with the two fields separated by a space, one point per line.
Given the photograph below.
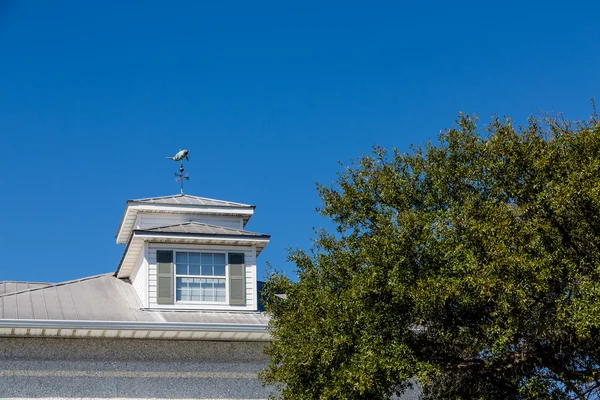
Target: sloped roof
x=105 y=298
x=191 y=232
x=13 y=286
x=188 y=200
x=199 y=228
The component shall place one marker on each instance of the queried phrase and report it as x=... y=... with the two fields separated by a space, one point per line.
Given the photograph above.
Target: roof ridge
x=35 y=283
x=58 y=284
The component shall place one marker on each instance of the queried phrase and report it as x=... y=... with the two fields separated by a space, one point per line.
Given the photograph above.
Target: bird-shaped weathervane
x=181 y=154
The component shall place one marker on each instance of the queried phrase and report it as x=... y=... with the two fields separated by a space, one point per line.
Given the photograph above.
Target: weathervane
x=181 y=154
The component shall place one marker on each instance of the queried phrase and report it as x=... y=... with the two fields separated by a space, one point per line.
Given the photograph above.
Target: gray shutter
x=164 y=268
x=237 y=279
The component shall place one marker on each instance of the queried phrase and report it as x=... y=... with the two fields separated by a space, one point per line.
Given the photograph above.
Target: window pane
x=219 y=259
x=195 y=290
x=207 y=269
x=181 y=269
x=179 y=283
x=207 y=259
x=219 y=285
x=219 y=290
x=206 y=290
x=194 y=269
x=219 y=270
x=181 y=258
x=194 y=258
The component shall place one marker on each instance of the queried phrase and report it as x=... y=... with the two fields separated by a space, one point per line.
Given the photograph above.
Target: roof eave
x=129 y=325
x=123 y=256
x=262 y=240
x=107 y=329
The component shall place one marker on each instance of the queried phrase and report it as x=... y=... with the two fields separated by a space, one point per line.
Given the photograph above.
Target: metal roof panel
x=186 y=199
x=105 y=299
x=202 y=229
x=12 y=286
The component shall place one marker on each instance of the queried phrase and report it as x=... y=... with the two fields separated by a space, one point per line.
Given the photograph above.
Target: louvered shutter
x=237 y=280
x=164 y=267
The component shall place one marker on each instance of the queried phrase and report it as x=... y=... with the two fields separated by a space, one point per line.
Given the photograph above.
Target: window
x=200 y=277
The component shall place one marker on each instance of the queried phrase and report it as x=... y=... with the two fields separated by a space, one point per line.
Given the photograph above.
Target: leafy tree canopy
x=471 y=266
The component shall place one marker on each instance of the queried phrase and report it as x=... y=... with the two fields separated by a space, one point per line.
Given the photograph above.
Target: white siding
x=153 y=220
x=139 y=277
x=250 y=262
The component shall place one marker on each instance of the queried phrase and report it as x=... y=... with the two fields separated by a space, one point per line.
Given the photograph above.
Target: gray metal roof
x=108 y=299
x=12 y=286
x=200 y=228
x=186 y=199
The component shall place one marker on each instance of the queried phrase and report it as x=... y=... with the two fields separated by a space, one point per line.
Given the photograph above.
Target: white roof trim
x=139 y=237
x=189 y=196
x=237 y=239
x=159 y=330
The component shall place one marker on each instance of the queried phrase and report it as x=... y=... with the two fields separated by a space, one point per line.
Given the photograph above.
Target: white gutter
x=124 y=325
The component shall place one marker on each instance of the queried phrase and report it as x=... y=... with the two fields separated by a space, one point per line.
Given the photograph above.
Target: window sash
x=195 y=279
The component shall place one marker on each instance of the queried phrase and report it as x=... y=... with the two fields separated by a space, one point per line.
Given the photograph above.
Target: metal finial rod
x=181 y=176
x=180 y=156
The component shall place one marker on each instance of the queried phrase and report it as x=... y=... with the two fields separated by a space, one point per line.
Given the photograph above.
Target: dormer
x=190 y=253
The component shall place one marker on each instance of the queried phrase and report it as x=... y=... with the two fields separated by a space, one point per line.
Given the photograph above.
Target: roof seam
x=57 y=284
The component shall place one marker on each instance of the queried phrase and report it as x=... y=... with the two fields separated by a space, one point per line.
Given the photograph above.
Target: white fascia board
x=205 y=240
x=126 y=227
x=129 y=258
x=249 y=240
x=126 y=325
x=132 y=251
x=178 y=208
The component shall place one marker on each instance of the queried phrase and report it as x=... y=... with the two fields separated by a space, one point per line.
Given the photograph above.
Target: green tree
x=471 y=267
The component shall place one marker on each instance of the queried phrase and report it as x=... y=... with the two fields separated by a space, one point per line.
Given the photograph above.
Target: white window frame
x=175 y=276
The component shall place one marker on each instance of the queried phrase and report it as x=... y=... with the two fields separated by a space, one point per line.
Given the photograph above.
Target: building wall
x=250 y=263
x=153 y=220
x=139 y=277
x=130 y=369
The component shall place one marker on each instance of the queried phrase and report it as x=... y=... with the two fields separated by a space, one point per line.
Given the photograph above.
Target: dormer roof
x=189 y=233
x=179 y=204
x=200 y=228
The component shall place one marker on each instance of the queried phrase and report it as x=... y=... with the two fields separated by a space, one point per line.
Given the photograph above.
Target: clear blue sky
x=267 y=96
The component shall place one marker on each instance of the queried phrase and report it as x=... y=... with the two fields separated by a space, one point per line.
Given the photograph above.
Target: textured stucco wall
x=111 y=368
x=46 y=368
